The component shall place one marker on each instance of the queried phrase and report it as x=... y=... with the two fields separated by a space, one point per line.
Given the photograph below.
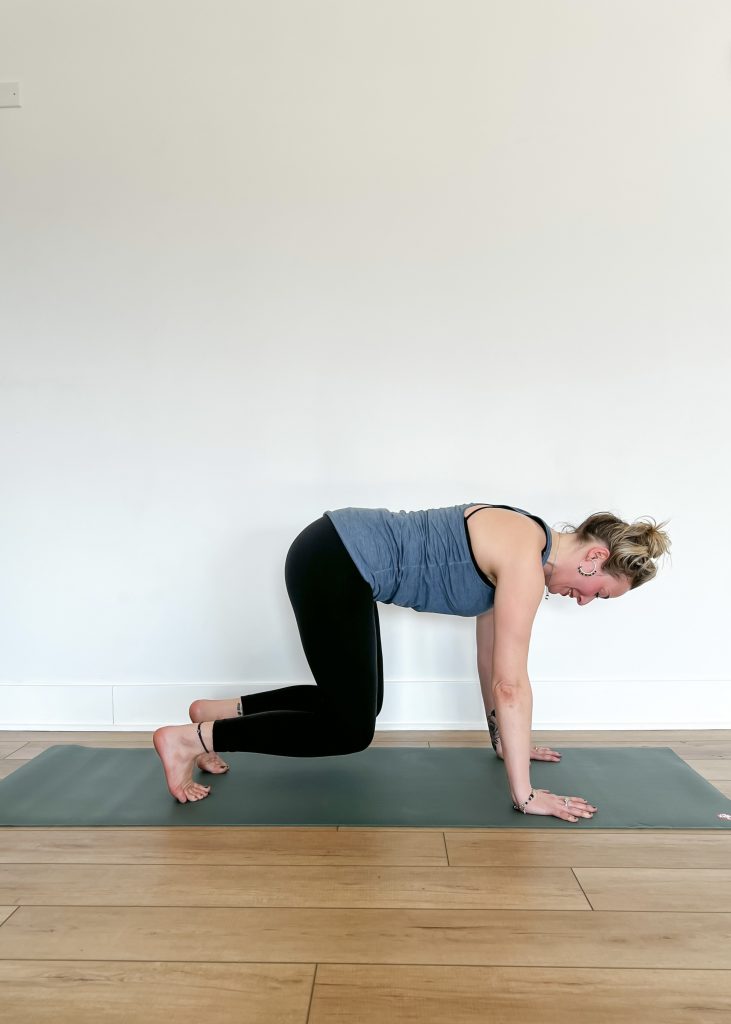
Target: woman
x=490 y=561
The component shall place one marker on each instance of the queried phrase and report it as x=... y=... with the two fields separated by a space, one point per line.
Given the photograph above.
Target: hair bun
x=657 y=541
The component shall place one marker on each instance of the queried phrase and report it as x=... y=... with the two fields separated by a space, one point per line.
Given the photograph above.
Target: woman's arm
x=517 y=597
x=485 y=636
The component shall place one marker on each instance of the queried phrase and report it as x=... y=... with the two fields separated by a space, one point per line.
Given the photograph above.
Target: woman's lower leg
x=283 y=698
x=334 y=610
x=337 y=620
x=210 y=710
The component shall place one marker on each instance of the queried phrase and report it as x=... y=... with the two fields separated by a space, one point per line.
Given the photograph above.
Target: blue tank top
x=421 y=560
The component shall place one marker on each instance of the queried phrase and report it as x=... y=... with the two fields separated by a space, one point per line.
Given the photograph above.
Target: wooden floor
x=368 y=926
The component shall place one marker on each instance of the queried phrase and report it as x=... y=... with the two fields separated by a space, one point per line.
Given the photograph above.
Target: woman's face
x=599 y=587
x=568 y=581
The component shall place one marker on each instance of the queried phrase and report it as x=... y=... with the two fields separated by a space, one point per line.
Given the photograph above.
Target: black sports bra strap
x=513 y=508
x=479 y=510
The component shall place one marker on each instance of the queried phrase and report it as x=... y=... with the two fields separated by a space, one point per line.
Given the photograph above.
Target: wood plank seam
x=339 y=909
x=591 y=906
x=370 y=963
x=312 y=994
x=296 y=907
x=11 y=914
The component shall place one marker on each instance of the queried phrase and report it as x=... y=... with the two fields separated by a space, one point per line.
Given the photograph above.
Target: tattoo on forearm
x=492 y=726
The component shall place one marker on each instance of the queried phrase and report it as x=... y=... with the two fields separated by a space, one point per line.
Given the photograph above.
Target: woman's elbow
x=510 y=691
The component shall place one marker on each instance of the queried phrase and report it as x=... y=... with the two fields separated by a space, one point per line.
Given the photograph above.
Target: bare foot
x=211 y=763
x=177 y=747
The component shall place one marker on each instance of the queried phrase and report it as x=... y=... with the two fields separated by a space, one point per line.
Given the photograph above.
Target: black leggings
x=338 y=623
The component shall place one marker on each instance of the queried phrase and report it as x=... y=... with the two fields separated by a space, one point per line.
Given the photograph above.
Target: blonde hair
x=633 y=547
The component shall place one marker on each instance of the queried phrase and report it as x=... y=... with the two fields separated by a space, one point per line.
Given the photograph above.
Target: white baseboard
x=419 y=705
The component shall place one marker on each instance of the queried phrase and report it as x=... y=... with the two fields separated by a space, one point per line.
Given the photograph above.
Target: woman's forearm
x=514 y=712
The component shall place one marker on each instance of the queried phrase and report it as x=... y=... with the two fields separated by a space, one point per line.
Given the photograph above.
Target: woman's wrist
x=520 y=805
x=514 y=715
x=522 y=794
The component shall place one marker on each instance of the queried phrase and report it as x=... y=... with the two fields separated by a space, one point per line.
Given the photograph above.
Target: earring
x=588 y=573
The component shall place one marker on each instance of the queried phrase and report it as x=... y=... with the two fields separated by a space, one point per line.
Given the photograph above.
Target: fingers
x=544 y=754
x=576 y=808
x=583 y=804
x=571 y=813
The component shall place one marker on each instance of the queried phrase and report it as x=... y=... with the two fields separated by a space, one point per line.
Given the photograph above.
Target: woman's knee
x=357 y=737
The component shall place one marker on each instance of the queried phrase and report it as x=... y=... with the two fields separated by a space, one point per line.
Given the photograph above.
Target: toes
x=214 y=765
x=193 y=791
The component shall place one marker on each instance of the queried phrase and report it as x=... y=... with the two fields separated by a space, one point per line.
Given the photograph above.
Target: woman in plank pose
x=482 y=560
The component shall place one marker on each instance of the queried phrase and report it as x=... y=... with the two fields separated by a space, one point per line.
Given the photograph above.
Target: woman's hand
x=544 y=754
x=547 y=803
x=536 y=753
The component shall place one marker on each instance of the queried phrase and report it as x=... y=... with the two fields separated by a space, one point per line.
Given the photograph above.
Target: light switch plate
x=9 y=94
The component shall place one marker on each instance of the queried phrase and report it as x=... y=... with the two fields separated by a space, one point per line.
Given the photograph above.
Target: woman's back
x=422 y=559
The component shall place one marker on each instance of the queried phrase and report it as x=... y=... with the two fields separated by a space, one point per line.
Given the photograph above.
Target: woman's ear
x=600 y=553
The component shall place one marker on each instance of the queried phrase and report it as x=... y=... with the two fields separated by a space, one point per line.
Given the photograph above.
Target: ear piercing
x=593 y=571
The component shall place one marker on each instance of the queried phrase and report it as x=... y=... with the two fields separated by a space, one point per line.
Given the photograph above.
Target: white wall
x=264 y=259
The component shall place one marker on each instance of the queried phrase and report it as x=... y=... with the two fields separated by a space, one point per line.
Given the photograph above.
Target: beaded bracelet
x=522 y=806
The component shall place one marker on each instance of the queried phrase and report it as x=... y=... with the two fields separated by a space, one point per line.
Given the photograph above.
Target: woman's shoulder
x=502 y=536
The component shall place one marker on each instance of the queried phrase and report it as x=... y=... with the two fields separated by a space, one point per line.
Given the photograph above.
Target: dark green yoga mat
x=444 y=787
